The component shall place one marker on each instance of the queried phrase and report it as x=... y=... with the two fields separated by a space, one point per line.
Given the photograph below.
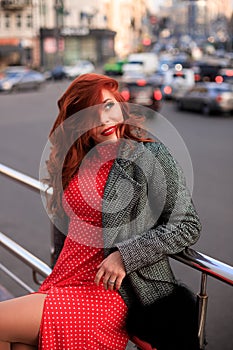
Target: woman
x=128 y=208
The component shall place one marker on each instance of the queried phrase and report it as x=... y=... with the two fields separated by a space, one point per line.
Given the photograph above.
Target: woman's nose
x=104 y=119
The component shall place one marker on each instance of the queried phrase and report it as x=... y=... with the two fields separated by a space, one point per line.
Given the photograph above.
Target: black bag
x=170 y=323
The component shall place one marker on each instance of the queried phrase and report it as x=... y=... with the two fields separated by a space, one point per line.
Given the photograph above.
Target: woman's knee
x=20 y=319
x=5 y=346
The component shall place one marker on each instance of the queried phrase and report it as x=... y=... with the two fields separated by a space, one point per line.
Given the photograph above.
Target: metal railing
x=196 y=260
x=37 y=266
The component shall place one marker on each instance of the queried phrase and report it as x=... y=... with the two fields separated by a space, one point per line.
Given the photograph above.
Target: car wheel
x=13 y=89
x=206 y=110
x=180 y=105
x=37 y=87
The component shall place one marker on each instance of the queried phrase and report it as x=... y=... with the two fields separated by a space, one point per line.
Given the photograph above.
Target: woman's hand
x=112 y=271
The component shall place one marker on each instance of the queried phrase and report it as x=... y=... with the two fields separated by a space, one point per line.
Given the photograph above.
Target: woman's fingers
x=112 y=271
x=111 y=280
x=99 y=275
x=118 y=282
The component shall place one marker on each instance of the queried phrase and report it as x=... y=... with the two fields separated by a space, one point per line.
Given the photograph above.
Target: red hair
x=85 y=91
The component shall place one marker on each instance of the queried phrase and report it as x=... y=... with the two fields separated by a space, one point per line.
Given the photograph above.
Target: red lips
x=109 y=131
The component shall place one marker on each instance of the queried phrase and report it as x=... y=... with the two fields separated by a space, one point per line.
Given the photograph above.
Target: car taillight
x=125 y=94
x=219 y=79
x=197 y=77
x=219 y=98
x=167 y=90
x=141 y=82
x=229 y=73
x=157 y=95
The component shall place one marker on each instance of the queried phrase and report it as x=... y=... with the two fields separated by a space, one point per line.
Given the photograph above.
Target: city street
x=25 y=121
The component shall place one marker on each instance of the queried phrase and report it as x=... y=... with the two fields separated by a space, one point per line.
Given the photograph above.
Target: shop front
x=68 y=45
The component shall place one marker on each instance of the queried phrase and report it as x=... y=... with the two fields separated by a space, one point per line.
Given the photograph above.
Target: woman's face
x=110 y=116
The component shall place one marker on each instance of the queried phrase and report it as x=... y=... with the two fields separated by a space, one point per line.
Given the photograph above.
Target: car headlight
x=6 y=85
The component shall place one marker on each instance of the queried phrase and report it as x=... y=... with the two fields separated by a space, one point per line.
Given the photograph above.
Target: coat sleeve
x=178 y=225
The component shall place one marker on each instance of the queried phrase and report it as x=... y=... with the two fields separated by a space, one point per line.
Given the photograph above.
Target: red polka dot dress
x=78 y=314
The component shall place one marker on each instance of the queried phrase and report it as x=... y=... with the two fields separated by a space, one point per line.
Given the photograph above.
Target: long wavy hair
x=69 y=143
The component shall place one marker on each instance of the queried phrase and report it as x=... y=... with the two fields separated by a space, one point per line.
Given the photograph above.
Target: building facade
x=43 y=33
x=130 y=21
x=195 y=17
x=19 y=25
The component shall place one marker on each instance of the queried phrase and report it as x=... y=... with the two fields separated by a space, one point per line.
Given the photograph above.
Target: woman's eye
x=108 y=106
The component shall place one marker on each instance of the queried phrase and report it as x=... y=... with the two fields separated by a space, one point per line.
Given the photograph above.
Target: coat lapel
x=121 y=193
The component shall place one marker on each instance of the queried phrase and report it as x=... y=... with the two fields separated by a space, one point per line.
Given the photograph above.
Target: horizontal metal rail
x=15 y=278
x=190 y=257
x=37 y=266
x=203 y=263
x=206 y=264
x=23 y=179
x=196 y=260
x=24 y=255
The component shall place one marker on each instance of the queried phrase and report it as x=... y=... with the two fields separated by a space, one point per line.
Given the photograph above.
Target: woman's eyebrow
x=107 y=99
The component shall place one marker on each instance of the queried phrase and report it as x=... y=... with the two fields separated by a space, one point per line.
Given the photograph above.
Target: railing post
x=52 y=245
x=202 y=298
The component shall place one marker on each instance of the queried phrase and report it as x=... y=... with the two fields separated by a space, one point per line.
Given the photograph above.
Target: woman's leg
x=4 y=346
x=18 y=346
x=20 y=319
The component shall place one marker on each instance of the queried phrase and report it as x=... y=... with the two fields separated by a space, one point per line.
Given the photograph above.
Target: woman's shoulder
x=162 y=153
x=155 y=147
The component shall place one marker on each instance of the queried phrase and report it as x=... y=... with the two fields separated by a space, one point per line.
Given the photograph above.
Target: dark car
x=225 y=75
x=58 y=73
x=20 y=78
x=205 y=71
x=142 y=92
x=208 y=98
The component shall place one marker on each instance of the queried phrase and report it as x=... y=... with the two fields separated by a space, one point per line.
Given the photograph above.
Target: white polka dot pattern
x=77 y=314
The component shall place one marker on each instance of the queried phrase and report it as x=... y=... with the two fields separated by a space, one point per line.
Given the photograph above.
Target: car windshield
x=13 y=74
x=134 y=88
x=176 y=75
x=222 y=89
x=82 y=63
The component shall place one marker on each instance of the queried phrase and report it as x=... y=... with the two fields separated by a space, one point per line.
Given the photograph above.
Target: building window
x=18 y=20
x=29 y=21
x=7 y=20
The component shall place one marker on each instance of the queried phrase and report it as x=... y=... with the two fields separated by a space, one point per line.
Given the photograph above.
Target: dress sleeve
x=177 y=227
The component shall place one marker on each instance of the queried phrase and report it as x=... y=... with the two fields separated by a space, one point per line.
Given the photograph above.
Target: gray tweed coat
x=147 y=214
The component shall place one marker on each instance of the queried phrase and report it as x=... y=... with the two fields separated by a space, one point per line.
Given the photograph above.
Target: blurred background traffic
x=172 y=49
x=174 y=56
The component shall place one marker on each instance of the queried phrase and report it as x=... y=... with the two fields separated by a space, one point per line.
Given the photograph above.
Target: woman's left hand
x=112 y=271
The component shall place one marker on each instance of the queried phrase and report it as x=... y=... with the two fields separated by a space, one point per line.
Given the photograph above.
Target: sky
x=154 y=4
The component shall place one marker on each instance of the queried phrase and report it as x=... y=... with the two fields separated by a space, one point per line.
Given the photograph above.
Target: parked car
x=177 y=82
x=141 y=92
x=20 y=78
x=225 y=75
x=81 y=67
x=148 y=62
x=208 y=98
x=56 y=73
x=206 y=71
x=131 y=69
x=157 y=78
x=133 y=75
